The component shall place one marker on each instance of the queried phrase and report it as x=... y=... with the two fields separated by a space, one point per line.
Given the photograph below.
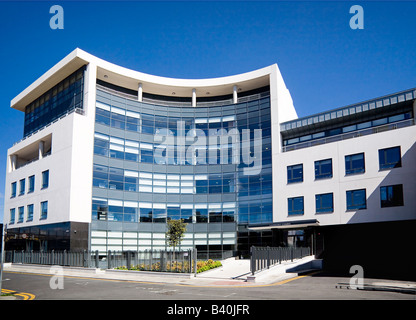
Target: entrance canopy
x=286 y=225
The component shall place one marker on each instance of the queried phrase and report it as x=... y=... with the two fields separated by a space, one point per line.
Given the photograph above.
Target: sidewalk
x=232 y=272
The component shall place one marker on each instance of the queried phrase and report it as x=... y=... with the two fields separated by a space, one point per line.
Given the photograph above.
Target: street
x=84 y=288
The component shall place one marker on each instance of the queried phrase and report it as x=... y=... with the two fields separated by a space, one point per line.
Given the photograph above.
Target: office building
x=109 y=154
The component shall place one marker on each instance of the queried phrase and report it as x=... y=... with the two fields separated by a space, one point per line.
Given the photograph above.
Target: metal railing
x=216 y=254
x=148 y=260
x=265 y=257
x=153 y=260
x=61 y=258
x=349 y=135
x=68 y=112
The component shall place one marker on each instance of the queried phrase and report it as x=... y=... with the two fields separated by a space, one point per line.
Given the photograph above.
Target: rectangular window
x=43 y=210
x=13 y=190
x=323 y=169
x=12 y=215
x=22 y=187
x=45 y=179
x=30 y=212
x=295 y=173
x=295 y=206
x=31 y=184
x=21 y=214
x=389 y=158
x=324 y=202
x=391 y=196
x=354 y=163
x=356 y=199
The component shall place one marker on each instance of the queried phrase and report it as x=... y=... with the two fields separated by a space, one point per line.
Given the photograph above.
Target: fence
x=155 y=260
x=62 y=258
x=158 y=260
x=265 y=257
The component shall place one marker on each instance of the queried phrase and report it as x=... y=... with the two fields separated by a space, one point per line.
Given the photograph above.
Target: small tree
x=175 y=233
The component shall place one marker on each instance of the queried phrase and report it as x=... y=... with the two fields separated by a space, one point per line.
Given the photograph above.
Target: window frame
x=354 y=207
x=30 y=212
x=323 y=175
x=291 y=206
x=290 y=173
x=22 y=186
x=382 y=153
x=31 y=184
x=43 y=210
x=324 y=209
x=399 y=196
x=13 y=189
x=349 y=169
x=45 y=185
x=12 y=216
x=20 y=214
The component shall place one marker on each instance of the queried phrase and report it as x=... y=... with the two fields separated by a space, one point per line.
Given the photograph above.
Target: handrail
x=349 y=135
x=157 y=102
x=76 y=110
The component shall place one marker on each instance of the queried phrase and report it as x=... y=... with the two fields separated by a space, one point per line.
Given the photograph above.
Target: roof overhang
x=286 y=225
x=57 y=73
x=130 y=79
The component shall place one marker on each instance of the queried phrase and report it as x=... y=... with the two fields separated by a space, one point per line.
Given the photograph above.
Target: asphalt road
x=76 y=288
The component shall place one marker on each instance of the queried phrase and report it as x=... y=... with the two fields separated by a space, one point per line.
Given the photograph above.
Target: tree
x=175 y=233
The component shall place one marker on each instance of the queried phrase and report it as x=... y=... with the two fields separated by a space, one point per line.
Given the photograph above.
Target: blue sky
x=324 y=62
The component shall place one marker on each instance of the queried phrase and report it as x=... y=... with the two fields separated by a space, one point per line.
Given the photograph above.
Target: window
x=31 y=184
x=354 y=163
x=57 y=101
x=295 y=206
x=391 y=196
x=22 y=187
x=13 y=190
x=295 y=173
x=45 y=179
x=43 y=210
x=389 y=158
x=324 y=203
x=21 y=214
x=323 y=169
x=356 y=199
x=30 y=212
x=12 y=215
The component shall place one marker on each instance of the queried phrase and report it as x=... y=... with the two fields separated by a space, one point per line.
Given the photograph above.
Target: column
x=41 y=149
x=235 y=94
x=13 y=162
x=140 y=94
x=193 y=97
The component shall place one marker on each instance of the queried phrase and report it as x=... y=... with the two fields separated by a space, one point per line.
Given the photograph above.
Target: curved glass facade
x=210 y=166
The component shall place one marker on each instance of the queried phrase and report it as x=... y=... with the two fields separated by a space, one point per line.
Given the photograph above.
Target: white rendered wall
x=371 y=180
x=82 y=153
x=281 y=110
x=59 y=165
x=70 y=167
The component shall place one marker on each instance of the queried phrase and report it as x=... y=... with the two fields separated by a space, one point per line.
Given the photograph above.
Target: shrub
x=201 y=266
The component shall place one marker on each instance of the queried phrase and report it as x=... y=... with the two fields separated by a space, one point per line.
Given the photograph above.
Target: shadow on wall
x=384 y=249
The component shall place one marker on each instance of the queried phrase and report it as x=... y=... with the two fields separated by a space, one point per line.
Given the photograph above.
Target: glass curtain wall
x=187 y=163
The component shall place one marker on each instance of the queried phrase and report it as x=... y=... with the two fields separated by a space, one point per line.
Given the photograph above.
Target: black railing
x=148 y=260
x=265 y=257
